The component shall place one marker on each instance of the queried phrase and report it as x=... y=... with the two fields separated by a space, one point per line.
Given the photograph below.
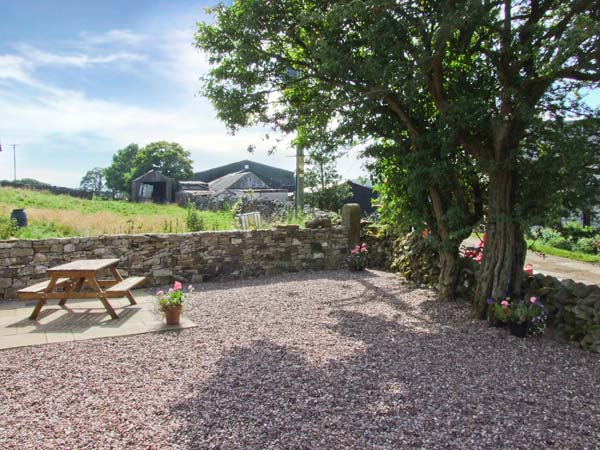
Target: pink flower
x=357 y=247
x=170 y=290
x=354 y=252
x=161 y=292
x=364 y=245
x=190 y=288
x=504 y=304
x=364 y=249
x=533 y=299
x=177 y=286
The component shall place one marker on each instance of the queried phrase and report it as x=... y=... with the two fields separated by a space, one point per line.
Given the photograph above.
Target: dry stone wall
x=189 y=257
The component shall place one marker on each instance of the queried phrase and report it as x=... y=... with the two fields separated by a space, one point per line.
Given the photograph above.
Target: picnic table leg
x=119 y=277
x=103 y=299
x=38 y=307
x=42 y=301
x=75 y=286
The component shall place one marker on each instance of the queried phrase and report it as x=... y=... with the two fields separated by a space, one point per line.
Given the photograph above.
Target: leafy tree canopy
x=118 y=173
x=465 y=82
x=168 y=157
x=131 y=162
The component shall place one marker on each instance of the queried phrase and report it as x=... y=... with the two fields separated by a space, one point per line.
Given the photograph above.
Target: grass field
x=62 y=216
x=577 y=256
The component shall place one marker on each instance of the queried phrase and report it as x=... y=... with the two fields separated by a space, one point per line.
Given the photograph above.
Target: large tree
x=326 y=83
x=131 y=162
x=476 y=73
x=118 y=173
x=168 y=157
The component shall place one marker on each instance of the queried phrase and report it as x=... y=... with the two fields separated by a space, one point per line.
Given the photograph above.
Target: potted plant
x=357 y=259
x=527 y=318
x=499 y=312
x=171 y=302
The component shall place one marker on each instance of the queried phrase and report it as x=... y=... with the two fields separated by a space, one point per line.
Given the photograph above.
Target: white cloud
x=37 y=57
x=122 y=37
x=13 y=67
x=70 y=120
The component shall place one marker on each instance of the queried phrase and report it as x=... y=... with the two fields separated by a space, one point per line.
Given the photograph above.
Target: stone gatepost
x=351 y=221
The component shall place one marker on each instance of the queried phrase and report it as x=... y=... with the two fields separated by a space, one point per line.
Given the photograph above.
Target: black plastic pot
x=20 y=216
x=518 y=329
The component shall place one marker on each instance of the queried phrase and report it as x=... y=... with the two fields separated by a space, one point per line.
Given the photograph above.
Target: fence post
x=351 y=221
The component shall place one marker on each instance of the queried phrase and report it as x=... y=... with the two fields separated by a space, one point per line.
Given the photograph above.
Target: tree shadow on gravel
x=262 y=280
x=405 y=387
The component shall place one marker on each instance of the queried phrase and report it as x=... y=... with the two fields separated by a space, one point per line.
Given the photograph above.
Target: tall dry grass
x=94 y=224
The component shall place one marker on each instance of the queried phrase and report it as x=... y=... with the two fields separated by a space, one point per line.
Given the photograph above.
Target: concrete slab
x=80 y=319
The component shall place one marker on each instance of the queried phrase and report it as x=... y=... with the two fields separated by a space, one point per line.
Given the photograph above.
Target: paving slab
x=80 y=319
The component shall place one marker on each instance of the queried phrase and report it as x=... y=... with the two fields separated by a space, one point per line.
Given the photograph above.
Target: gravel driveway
x=318 y=360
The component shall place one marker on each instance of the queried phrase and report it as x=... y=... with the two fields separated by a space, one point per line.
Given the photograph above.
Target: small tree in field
x=93 y=180
x=328 y=192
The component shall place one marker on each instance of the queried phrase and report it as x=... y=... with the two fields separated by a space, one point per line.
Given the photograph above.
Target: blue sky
x=81 y=79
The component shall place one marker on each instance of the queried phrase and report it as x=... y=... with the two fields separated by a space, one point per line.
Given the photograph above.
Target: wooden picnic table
x=79 y=279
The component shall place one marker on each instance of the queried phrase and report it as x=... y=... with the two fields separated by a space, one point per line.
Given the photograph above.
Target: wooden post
x=351 y=221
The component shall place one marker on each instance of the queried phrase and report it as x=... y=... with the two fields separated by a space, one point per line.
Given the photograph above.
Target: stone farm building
x=243 y=178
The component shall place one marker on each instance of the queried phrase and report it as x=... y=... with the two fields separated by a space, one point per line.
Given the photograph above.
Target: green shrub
x=8 y=227
x=193 y=220
x=560 y=242
x=575 y=231
x=586 y=245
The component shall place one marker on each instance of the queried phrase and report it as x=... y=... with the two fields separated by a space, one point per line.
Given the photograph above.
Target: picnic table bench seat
x=31 y=291
x=121 y=288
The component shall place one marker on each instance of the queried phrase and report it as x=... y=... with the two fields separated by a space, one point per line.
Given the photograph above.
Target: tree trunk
x=448 y=250
x=450 y=266
x=504 y=252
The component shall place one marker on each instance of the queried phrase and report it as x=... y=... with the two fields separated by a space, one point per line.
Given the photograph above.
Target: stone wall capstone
x=187 y=257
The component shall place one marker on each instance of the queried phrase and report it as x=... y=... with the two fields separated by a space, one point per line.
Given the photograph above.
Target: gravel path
x=320 y=360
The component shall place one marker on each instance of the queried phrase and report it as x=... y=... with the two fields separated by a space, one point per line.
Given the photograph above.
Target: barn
x=153 y=186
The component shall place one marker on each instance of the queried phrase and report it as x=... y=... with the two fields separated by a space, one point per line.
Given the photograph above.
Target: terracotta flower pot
x=172 y=315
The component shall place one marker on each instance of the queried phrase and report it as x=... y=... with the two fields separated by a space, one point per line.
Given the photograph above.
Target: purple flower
x=490 y=301
x=161 y=292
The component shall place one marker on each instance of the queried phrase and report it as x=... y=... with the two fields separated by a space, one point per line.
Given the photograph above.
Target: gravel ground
x=318 y=360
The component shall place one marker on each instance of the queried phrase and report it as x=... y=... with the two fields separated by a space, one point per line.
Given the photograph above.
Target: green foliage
x=8 y=227
x=566 y=152
x=571 y=236
x=168 y=157
x=587 y=245
x=193 y=219
x=574 y=231
x=118 y=173
x=131 y=162
x=174 y=297
x=543 y=248
x=460 y=102
x=42 y=230
x=93 y=180
x=326 y=190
